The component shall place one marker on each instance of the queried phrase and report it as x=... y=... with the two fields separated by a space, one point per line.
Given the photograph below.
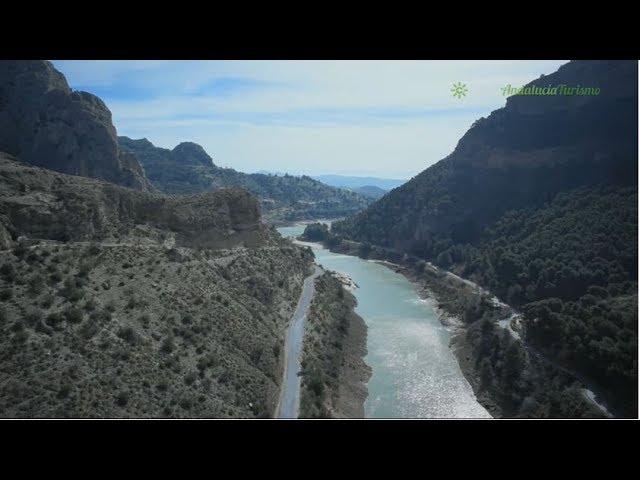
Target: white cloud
x=386 y=118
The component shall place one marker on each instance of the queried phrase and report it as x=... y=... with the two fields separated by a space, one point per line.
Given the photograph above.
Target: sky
x=389 y=119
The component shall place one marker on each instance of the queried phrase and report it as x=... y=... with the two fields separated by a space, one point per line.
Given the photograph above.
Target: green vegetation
x=330 y=348
x=572 y=268
x=206 y=331
x=538 y=203
x=316 y=232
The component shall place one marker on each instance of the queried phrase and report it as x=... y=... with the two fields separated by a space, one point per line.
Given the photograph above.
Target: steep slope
x=45 y=123
x=42 y=204
x=188 y=169
x=520 y=155
x=117 y=303
x=538 y=204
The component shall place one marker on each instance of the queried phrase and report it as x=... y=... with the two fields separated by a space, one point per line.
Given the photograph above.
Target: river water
x=414 y=372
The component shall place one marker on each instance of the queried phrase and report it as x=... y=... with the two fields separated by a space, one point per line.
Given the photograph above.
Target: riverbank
x=414 y=371
x=280 y=222
x=450 y=298
x=509 y=378
x=334 y=374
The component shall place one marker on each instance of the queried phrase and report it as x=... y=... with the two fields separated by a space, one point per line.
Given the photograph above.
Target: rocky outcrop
x=45 y=123
x=41 y=204
x=189 y=153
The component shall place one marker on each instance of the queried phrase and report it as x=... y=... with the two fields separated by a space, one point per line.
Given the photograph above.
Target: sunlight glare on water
x=414 y=371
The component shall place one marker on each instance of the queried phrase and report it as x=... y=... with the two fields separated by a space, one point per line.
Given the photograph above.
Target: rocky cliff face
x=41 y=204
x=45 y=123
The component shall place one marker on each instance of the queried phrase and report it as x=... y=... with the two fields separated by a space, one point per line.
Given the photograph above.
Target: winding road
x=289 y=402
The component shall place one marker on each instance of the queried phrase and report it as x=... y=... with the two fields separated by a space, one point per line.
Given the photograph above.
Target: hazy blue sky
x=383 y=118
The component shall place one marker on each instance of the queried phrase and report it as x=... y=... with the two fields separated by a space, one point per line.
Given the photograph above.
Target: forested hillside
x=538 y=203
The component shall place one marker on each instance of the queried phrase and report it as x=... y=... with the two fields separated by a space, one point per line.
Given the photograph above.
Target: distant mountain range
x=343 y=181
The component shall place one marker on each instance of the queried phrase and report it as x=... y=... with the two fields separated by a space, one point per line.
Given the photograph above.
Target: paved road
x=289 y=403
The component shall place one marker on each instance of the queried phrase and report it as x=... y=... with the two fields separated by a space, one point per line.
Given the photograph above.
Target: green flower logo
x=459 y=90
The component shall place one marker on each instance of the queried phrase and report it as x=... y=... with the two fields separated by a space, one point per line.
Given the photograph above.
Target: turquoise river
x=414 y=371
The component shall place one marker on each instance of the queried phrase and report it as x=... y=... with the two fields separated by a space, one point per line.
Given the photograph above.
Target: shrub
x=71 y=291
x=167 y=345
x=85 y=269
x=90 y=305
x=144 y=320
x=47 y=301
x=20 y=250
x=122 y=398
x=6 y=294
x=54 y=319
x=55 y=277
x=186 y=403
x=32 y=257
x=33 y=316
x=190 y=378
x=35 y=284
x=64 y=391
x=74 y=315
x=316 y=384
x=8 y=271
x=129 y=335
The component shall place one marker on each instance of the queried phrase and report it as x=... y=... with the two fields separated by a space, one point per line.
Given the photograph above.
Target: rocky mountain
x=520 y=155
x=538 y=203
x=45 y=123
x=188 y=169
x=120 y=303
x=126 y=302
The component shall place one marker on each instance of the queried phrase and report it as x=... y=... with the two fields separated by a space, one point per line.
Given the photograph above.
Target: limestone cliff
x=47 y=124
x=41 y=204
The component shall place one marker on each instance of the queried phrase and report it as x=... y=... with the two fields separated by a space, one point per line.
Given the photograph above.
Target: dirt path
x=289 y=403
